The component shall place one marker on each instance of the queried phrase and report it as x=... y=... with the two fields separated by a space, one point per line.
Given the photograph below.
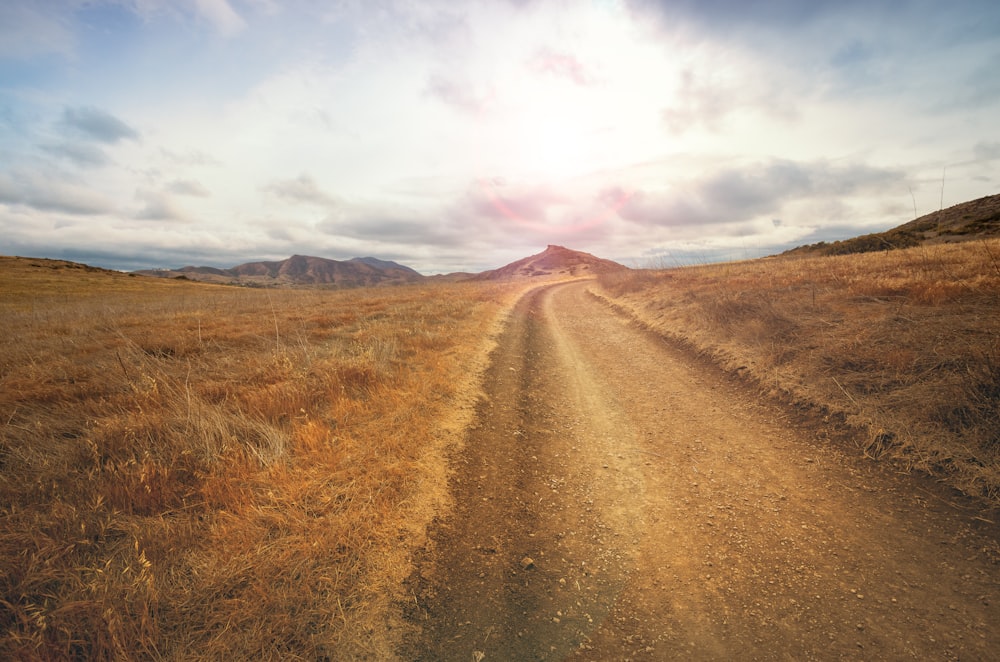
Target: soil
x=618 y=500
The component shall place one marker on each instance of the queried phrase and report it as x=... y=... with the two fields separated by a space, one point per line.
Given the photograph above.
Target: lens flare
x=610 y=203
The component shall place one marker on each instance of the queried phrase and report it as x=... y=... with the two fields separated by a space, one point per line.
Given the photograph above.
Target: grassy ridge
x=967 y=221
x=197 y=471
x=904 y=345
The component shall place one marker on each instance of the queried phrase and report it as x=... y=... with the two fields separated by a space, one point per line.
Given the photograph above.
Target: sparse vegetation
x=903 y=345
x=198 y=471
x=967 y=221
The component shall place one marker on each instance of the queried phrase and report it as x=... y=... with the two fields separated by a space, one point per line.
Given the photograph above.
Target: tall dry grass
x=903 y=345
x=203 y=472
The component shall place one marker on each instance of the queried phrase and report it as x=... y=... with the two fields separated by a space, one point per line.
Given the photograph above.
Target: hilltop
x=554 y=260
x=976 y=219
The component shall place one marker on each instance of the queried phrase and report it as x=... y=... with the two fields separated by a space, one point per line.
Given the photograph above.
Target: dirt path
x=617 y=501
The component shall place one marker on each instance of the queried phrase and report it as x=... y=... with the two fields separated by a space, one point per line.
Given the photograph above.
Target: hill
x=301 y=270
x=553 y=261
x=976 y=219
x=900 y=349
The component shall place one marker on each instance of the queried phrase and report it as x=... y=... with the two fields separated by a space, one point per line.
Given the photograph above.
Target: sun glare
x=553 y=147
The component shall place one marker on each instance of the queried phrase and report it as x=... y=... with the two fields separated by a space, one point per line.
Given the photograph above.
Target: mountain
x=553 y=261
x=306 y=271
x=975 y=219
x=301 y=270
x=385 y=265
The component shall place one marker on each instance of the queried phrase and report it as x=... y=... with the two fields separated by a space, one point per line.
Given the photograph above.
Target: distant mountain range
x=973 y=220
x=300 y=270
x=969 y=220
x=306 y=271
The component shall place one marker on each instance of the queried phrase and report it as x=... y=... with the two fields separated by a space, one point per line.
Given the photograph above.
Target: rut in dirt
x=616 y=500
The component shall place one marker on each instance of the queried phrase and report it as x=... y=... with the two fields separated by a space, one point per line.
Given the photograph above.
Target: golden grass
x=904 y=345
x=196 y=471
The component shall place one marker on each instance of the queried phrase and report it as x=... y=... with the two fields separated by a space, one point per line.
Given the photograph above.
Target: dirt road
x=618 y=501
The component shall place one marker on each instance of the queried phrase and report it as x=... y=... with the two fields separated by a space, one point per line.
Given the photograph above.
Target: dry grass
x=904 y=345
x=196 y=471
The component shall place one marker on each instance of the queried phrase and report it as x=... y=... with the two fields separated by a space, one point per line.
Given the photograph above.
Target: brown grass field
x=209 y=472
x=192 y=471
x=902 y=346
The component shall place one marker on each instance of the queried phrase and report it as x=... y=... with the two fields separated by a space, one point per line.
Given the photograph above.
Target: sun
x=546 y=149
x=541 y=129
x=553 y=143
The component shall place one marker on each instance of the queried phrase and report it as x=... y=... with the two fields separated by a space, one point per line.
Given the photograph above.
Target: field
x=192 y=470
x=902 y=346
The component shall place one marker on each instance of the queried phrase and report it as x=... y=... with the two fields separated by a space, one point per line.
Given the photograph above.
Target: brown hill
x=976 y=219
x=301 y=270
x=553 y=261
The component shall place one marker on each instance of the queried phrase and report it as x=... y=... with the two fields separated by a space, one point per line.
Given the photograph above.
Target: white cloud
x=158 y=206
x=302 y=189
x=193 y=157
x=188 y=187
x=222 y=16
x=58 y=193
x=751 y=191
x=460 y=94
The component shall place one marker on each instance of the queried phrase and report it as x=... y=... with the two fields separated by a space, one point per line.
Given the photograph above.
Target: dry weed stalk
x=904 y=344
x=203 y=471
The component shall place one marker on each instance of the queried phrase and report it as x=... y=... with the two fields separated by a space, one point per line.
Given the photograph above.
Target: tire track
x=614 y=501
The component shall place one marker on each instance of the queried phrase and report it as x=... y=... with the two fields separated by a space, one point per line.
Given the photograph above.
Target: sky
x=460 y=136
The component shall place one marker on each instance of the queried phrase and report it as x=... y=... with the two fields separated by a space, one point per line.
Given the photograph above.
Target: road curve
x=618 y=500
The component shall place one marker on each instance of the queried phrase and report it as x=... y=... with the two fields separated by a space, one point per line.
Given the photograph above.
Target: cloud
x=280 y=233
x=460 y=95
x=188 y=187
x=982 y=86
x=532 y=204
x=82 y=154
x=389 y=227
x=98 y=125
x=51 y=193
x=158 y=206
x=27 y=31
x=532 y=215
x=394 y=226
x=986 y=151
x=697 y=103
x=303 y=189
x=222 y=16
x=737 y=195
x=194 y=157
x=561 y=65
x=772 y=14
x=669 y=111
x=852 y=55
